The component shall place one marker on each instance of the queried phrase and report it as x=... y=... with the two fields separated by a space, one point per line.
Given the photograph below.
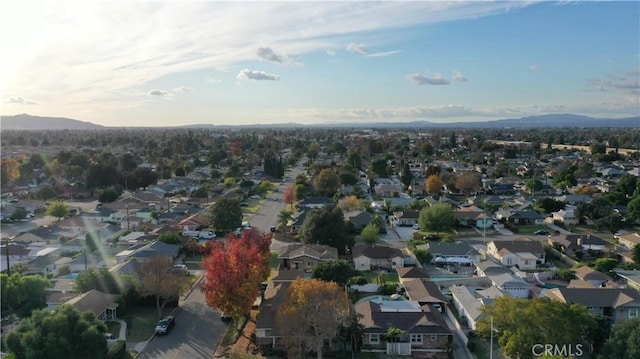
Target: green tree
x=533 y=185
x=284 y=217
x=636 y=254
x=229 y=182
x=226 y=215
x=19 y=214
x=406 y=178
x=633 y=209
x=63 y=333
x=566 y=274
x=370 y=234
x=624 y=342
x=438 y=217
x=169 y=237
x=58 y=209
x=339 y=271
x=379 y=167
x=605 y=265
x=108 y=195
x=23 y=293
x=327 y=182
x=326 y=226
x=423 y=256
x=521 y=323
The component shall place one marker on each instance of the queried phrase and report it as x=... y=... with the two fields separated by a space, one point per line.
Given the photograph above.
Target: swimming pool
x=71 y=276
x=382 y=298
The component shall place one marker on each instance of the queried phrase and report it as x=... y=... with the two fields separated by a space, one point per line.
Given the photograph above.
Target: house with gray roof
x=306 y=257
x=142 y=252
x=102 y=305
x=454 y=250
x=592 y=276
x=358 y=219
x=523 y=253
x=579 y=244
x=630 y=277
x=376 y=257
x=509 y=283
x=425 y=328
x=425 y=292
x=408 y=273
x=616 y=303
x=469 y=301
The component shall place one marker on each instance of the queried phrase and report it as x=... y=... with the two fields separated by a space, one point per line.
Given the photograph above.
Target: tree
x=160 y=280
x=229 y=182
x=521 y=323
x=624 y=342
x=23 y=293
x=226 y=215
x=58 y=209
x=548 y=205
x=633 y=209
x=312 y=313
x=349 y=203
x=605 y=265
x=438 y=217
x=370 y=234
x=170 y=237
x=434 y=185
x=233 y=271
x=19 y=214
x=566 y=274
x=325 y=226
x=62 y=333
x=379 y=167
x=469 y=182
x=108 y=195
x=284 y=217
x=338 y=271
x=533 y=185
x=406 y=178
x=92 y=241
x=289 y=194
x=9 y=170
x=327 y=182
x=104 y=281
x=423 y=256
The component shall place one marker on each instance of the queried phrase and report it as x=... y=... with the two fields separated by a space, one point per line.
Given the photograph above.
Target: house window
x=633 y=312
x=434 y=337
x=509 y=261
x=374 y=338
x=526 y=262
x=309 y=264
x=416 y=338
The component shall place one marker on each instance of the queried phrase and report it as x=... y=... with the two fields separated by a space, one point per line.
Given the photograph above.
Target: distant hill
x=28 y=122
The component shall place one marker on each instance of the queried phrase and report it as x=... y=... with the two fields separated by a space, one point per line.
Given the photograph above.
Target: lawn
x=113 y=328
x=482 y=348
x=531 y=229
x=142 y=322
x=389 y=277
x=274 y=262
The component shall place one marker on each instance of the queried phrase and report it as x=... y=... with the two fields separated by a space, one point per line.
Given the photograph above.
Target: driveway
x=196 y=335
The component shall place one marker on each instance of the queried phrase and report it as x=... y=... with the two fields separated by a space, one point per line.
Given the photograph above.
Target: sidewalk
x=460 y=351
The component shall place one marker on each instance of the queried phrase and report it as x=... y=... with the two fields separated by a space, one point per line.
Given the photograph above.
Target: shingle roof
x=318 y=251
x=375 y=251
x=424 y=291
x=587 y=273
x=375 y=320
x=94 y=301
x=596 y=297
x=520 y=245
x=412 y=272
x=452 y=249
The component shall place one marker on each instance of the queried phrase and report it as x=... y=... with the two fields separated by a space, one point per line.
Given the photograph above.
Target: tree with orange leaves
x=311 y=314
x=290 y=194
x=234 y=269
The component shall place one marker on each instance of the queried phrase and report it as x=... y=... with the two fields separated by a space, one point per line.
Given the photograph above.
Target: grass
x=234 y=330
x=366 y=355
x=482 y=349
x=274 y=262
x=389 y=277
x=142 y=322
x=531 y=229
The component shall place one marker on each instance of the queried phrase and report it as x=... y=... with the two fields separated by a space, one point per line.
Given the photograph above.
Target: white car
x=255 y=196
x=416 y=227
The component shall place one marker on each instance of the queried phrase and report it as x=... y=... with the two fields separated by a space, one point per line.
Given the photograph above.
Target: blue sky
x=127 y=63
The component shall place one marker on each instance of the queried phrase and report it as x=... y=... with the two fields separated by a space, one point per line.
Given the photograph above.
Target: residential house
x=406 y=218
x=17 y=253
x=130 y=267
x=510 y=284
x=454 y=252
x=142 y=252
x=45 y=262
x=490 y=267
x=566 y=216
x=306 y=257
x=102 y=305
x=579 y=244
x=376 y=257
x=436 y=199
x=523 y=253
x=316 y=202
x=573 y=199
x=469 y=301
x=425 y=292
x=192 y=223
x=520 y=217
x=592 y=276
x=425 y=328
x=388 y=190
x=469 y=215
x=630 y=277
x=408 y=273
x=616 y=303
x=358 y=219
x=629 y=240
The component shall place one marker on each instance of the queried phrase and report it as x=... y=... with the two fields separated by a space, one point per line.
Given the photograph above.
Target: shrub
x=387 y=289
x=118 y=350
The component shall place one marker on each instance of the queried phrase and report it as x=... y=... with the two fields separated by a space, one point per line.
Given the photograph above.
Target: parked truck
x=199 y=234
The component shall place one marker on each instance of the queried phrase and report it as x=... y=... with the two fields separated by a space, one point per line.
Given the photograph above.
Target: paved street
x=197 y=332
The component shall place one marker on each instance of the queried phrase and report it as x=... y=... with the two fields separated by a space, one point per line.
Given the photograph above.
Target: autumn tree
x=233 y=271
x=438 y=217
x=289 y=195
x=349 y=203
x=226 y=215
x=58 y=209
x=521 y=323
x=469 y=182
x=61 y=333
x=370 y=234
x=325 y=226
x=327 y=182
x=161 y=280
x=311 y=314
x=434 y=185
x=9 y=170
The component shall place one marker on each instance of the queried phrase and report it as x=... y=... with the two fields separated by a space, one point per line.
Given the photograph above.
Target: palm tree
x=284 y=217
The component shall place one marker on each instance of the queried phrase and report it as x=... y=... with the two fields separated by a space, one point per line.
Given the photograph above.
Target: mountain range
x=28 y=122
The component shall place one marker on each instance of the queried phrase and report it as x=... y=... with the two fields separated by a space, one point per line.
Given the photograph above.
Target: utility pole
x=491 y=343
x=6 y=251
x=126 y=206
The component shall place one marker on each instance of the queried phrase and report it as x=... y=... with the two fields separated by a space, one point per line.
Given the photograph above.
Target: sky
x=172 y=63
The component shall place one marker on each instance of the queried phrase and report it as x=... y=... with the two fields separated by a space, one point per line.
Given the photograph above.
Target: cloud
x=183 y=89
x=19 y=101
x=458 y=76
x=267 y=53
x=330 y=52
x=624 y=83
x=534 y=67
x=247 y=74
x=157 y=92
x=357 y=48
x=383 y=54
x=212 y=80
x=420 y=79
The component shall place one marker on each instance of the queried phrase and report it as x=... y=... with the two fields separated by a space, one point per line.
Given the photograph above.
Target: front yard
x=141 y=322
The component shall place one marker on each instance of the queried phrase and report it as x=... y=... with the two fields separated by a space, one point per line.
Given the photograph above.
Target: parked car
x=224 y=317
x=431 y=237
x=165 y=324
x=541 y=232
x=272 y=229
x=416 y=226
x=255 y=196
